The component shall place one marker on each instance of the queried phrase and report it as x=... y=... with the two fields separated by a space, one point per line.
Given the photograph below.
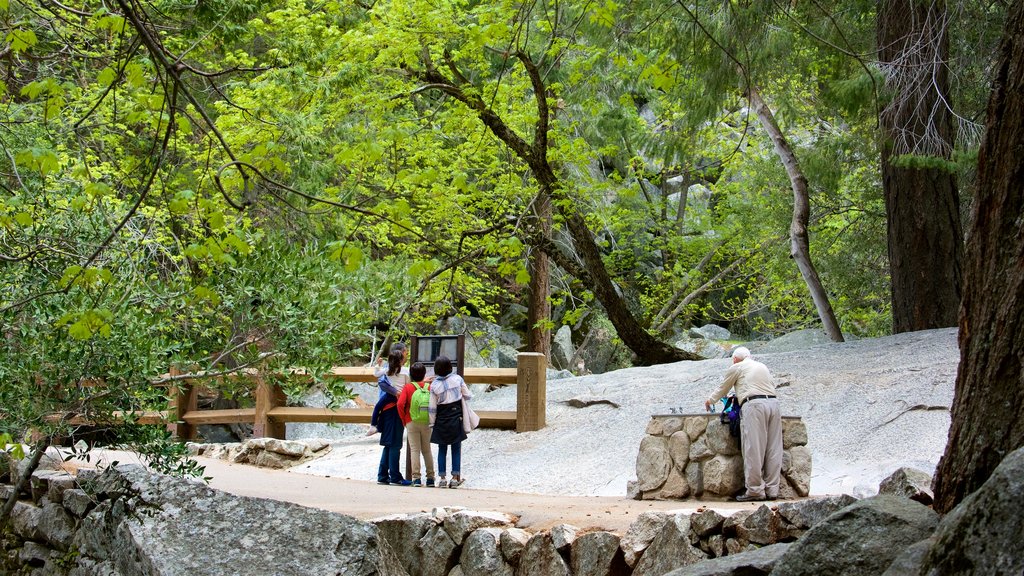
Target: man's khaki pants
x=761 y=435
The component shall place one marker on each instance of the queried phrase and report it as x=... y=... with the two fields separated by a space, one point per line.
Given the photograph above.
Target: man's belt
x=755 y=397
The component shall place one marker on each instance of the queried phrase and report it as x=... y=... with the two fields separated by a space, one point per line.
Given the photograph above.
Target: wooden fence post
x=268 y=396
x=531 y=391
x=184 y=398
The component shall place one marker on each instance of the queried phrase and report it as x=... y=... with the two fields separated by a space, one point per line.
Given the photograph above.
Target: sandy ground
x=368 y=500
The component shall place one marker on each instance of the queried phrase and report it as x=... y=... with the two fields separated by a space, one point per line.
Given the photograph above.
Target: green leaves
x=21 y=39
x=42 y=160
x=85 y=325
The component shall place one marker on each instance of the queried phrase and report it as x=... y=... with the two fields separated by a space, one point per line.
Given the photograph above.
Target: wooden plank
x=231 y=416
x=505 y=419
x=141 y=417
x=496 y=376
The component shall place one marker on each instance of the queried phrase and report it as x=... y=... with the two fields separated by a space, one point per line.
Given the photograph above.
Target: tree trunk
x=988 y=407
x=921 y=203
x=648 y=349
x=799 y=240
x=539 y=311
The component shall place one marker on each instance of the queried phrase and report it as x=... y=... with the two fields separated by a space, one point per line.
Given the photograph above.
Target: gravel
x=870 y=406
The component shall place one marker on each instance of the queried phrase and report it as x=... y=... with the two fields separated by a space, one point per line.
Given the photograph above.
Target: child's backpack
x=419 y=404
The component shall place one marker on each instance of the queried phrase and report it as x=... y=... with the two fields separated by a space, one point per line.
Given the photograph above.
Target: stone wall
x=694 y=456
x=128 y=521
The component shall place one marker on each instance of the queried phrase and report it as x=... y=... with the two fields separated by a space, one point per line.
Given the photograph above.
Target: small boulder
x=909 y=483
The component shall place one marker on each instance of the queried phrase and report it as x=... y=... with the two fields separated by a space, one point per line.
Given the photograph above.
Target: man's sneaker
x=384 y=482
x=430 y=482
x=442 y=483
x=402 y=483
x=416 y=483
x=456 y=482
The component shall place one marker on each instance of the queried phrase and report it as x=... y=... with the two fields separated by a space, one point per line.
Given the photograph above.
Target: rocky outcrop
x=870 y=533
x=982 y=534
x=264 y=452
x=693 y=455
x=128 y=521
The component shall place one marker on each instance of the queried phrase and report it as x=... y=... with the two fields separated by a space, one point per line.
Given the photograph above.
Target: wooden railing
x=270 y=415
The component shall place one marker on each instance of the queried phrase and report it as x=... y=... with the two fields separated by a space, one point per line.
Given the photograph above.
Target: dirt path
x=367 y=500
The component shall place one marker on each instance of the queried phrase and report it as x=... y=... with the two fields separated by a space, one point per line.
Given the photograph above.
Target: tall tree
x=988 y=407
x=921 y=199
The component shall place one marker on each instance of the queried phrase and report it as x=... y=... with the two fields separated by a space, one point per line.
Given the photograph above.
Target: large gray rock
x=513 y=541
x=675 y=486
x=910 y=560
x=807 y=513
x=562 y=349
x=597 y=554
x=794 y=433
x=704 y=348
x=751 y=563
x=440 y=554
x=670 y=549
x=796 y=468
x=679 y=449
x=710 y=332
x=56 y=526
x=761 y=527
x=562 y=536
x=403 y=533
x=540 y=558
x=601 y=350
x=640 y=534
x=982 y=535
x=151 y=523
x=909 y=483
x=870 y=534
x=25 y=520
x=459 y=524
x=481 y=554
x=723 y=475
x=706 y=522
x=652 y=462
x=720 y=440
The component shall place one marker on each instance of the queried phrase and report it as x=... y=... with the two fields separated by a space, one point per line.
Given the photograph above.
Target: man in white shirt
x=760 y=425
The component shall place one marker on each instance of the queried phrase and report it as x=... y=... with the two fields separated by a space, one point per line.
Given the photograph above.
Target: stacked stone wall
x=694 y=456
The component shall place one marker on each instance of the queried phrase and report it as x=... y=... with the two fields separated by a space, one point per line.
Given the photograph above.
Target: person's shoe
x=772 y=498
x=371 y=431
x=430 y=482
x=402 y=483
x=442 y=483
x=416 y=483
x=749 y=498
x=456 y=482
x=384 y=482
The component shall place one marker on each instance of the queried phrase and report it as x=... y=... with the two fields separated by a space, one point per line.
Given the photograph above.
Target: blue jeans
x=388 y=470
x=442 y=454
